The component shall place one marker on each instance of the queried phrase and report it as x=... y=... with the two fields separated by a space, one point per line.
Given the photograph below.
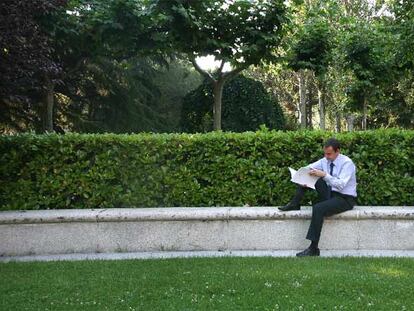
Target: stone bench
x=125 y=230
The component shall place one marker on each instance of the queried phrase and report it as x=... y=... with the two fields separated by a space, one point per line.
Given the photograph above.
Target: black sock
x=314 y=244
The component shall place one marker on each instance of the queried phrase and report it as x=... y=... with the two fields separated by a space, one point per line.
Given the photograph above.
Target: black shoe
x=309 y=252
x=289 y=207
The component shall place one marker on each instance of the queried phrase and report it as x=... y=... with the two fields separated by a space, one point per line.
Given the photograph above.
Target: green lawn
x=227 y=283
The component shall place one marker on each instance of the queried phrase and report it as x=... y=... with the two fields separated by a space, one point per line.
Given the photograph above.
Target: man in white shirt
x=336 y=189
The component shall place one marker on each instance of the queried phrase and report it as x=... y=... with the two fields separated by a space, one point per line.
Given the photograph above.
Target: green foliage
x=313 y=47
x=174 y=83
x=223 y=169
x=123 y=97
x=246 y=105
x=240 y=31
x=404 y=25
x=104 y=58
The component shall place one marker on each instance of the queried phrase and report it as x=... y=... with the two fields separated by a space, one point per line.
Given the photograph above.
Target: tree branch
x=231 y=74
x=220 y=70
x=201 y=71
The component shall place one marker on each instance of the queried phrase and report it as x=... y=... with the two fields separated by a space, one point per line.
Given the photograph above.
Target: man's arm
x=316 y=165
x=346 y=173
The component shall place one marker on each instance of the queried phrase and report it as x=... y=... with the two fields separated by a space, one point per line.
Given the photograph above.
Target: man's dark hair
x=334 y=143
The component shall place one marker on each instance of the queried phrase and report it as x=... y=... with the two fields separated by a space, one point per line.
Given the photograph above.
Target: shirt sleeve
x=317 y=165
x=344 y=177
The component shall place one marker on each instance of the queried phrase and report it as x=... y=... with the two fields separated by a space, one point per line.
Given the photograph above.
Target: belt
x=344 y=195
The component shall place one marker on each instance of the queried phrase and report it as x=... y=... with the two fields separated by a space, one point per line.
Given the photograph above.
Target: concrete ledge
x=125 y=230
x=198 y=254
x=193 y=213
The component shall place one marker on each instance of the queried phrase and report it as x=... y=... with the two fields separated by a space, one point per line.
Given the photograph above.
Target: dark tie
x=330 y=173
x=332 y=165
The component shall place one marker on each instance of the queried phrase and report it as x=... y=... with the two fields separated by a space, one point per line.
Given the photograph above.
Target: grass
x=225 y=283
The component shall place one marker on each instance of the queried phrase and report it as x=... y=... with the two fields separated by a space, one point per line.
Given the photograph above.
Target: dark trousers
x=329 y=203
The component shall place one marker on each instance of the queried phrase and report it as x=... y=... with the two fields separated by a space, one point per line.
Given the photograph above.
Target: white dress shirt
x=343 y=178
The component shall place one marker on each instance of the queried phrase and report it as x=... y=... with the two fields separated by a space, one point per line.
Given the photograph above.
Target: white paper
x=302 y=177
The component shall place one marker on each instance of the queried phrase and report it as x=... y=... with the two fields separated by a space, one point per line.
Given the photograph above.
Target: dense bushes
x=246 y=106
x=224 y=169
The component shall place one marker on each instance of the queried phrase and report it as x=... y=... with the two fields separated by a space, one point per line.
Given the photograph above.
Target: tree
x=27 y=66
x=364 y=53
x=238 y=32
x=247 y=105
x=174 y=83
x=312 y=52
x=109 y=82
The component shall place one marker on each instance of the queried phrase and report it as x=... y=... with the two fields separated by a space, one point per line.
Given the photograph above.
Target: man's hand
x=318 y=173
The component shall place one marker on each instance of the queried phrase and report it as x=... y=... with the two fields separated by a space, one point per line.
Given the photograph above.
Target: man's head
x=331 y=149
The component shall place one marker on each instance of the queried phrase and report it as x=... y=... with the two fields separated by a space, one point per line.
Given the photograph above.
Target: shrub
x=218 y=168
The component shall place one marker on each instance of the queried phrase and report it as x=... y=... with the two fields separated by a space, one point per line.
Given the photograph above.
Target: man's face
x=330 y=154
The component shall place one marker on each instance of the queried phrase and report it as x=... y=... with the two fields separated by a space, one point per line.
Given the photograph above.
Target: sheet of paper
x=302 y=177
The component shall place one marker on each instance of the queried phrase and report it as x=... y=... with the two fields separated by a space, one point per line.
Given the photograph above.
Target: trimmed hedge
x=224 y=169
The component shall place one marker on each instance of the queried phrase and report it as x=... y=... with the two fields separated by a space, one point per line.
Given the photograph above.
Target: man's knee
x=320 y=183
x=317 y=209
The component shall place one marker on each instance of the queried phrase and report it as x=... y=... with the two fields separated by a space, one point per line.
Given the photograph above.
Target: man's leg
x=323 y=190
x=294 y=203
x=334 y=205
x=324 y=193
x=299 y=194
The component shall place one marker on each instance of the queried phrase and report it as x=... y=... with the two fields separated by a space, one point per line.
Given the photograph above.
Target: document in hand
x=302 y=177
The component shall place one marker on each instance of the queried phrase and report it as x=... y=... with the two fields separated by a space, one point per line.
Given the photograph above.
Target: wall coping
x=194 y=213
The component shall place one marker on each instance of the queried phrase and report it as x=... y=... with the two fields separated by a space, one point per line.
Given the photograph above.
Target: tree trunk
x=338 y=117
x=48 y=102
x=309 y=106
x=302 y=99
x=350 y=122
x=218 y=94
x=321 y=101
x=218 y=85
x=364 y=116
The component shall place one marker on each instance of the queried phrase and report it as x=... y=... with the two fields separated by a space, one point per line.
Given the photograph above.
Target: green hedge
x=223 y=169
